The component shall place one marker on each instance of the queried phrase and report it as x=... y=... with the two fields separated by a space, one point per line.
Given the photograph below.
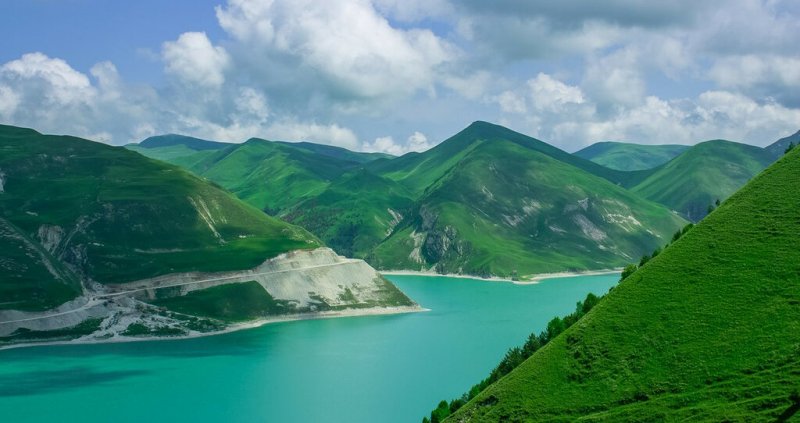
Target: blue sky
x=402 y=75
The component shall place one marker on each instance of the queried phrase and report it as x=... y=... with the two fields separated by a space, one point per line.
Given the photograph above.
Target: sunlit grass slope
x=709 y=330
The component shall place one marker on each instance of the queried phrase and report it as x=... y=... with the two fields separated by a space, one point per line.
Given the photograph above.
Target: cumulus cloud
x=344 y=71
x=768 y=75
x=194 y=60
x=550 y=93
x=572 y=119
x=340 y=50
x=416 y=142
x=322 y=134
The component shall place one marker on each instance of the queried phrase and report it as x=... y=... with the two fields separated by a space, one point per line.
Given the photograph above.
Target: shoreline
x=375 y=311
x=534 y=279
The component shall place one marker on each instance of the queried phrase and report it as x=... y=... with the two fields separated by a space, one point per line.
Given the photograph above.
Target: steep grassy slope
x=708 y=171
x=709 y=330
x=76 y=209
x=626 y=156
x=504 y=208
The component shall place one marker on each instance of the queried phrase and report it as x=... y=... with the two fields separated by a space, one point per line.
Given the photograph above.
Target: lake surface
x=359 y=369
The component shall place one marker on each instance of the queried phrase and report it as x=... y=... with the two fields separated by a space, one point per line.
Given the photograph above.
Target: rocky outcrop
x=306 y=281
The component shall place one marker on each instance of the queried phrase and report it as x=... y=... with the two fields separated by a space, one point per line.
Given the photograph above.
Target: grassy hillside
x=626 y=156
x=76 y=209
x=504 y=208
x=417 y=171
x=271 y=175
x=709 y=330
x=355 y=212
x=706 y=172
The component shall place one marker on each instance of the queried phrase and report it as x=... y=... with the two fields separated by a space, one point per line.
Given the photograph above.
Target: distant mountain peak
x=168 y=140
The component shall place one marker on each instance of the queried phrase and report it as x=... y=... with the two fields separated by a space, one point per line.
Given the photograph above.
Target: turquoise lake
x=392 y=368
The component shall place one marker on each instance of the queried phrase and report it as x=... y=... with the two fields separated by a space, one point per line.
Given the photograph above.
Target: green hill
x=274 y=176
x=419 y=170
x=777 y=148
x=701 y=175
x=80 y=210
x=356 y=212
x=709 y=330
x=626 y=156
x=497 y=203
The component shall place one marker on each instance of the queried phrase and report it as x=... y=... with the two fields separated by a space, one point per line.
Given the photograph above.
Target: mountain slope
x=419 y=170
x=503 y=208
x=355 y=212
x=706 y=172
x=777 y=148
x=80 y=221
x=626 y=156
x=274 y=176
x=709 y=330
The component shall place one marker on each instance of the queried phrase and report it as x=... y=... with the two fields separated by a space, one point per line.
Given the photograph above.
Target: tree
x=628 y=270
x=789 y=147
x=717 y=202
x=441 y=412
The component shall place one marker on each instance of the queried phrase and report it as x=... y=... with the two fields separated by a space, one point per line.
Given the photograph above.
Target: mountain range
x=486 y=201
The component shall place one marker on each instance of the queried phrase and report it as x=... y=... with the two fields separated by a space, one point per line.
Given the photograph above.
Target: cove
x=391 y=368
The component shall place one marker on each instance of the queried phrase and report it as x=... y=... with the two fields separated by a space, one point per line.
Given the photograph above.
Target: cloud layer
x=377 y=75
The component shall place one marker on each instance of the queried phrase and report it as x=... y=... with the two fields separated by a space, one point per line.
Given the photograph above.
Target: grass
x=709 y=330
x=709 y=171
x=626 y=156
x=121 y=217
x=230 y=303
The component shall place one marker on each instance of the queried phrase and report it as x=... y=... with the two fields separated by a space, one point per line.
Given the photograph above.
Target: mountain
x=491 y=201
x=626 y=156
x=356 y=212
x=171 y=140
x=94 y=231
x=706 y=172
x=706 y=331
x=270 y=175
x=777 y=148
x=177 y=149
x=420 y=170
x=486 y=201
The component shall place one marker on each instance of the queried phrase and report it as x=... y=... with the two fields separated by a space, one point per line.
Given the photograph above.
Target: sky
x=403 y=75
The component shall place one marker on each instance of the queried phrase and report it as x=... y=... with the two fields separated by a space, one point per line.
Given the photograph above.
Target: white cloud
x=511 y=102
x=332 y=134
x=766 y=75
x=416 y=142
x=194 y=60
x=550 y=93
x=335 y=49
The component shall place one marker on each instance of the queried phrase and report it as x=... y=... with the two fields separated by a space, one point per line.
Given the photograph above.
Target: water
x=377 y=368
